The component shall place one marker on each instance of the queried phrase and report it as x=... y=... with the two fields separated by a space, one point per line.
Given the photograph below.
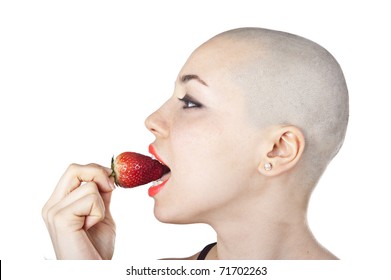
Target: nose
x=157 y=124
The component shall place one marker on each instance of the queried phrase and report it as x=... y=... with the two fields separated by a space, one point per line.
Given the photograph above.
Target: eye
x=189 y=102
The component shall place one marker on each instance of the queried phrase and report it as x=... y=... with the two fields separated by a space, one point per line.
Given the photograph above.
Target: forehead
x=217 y=60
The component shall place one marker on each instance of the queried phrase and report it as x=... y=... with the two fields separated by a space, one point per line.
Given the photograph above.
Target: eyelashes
x=189 y=102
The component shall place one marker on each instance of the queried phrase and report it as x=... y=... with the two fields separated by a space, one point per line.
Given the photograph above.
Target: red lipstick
x=152 y=151
x=154 y=190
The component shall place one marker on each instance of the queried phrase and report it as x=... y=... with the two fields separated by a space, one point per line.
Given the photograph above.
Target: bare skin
x=239 y=103
x=78 y=217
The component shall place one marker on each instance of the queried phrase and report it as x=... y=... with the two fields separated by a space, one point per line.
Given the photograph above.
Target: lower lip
x=152 y=191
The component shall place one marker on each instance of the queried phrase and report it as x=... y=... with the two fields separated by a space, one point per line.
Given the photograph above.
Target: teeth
x=157 y=182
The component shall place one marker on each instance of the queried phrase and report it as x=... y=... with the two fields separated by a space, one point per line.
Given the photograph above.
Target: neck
x=264 y=239
x=275 y=227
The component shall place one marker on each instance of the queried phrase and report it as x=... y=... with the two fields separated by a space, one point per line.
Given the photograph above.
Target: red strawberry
x=132 y=169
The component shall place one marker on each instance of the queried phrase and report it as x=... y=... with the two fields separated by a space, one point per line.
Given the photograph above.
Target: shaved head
x=287 y=80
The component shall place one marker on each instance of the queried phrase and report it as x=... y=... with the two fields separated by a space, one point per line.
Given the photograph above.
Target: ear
x=285 y=146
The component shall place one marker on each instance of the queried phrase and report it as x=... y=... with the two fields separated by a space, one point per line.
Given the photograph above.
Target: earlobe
x=287 y=145
x=268 y=166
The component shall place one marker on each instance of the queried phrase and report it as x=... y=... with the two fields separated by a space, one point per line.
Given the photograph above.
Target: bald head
x=288 y=80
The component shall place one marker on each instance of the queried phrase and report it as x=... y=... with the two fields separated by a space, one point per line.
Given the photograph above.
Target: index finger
x=76 y=174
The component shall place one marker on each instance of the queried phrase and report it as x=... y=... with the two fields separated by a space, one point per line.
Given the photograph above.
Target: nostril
x=150 y=124
x=156 y=124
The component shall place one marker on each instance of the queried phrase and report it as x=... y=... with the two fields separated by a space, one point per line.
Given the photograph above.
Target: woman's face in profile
x=204 y=135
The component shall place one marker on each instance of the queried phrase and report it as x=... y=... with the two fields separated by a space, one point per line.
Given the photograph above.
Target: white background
x=78 y=78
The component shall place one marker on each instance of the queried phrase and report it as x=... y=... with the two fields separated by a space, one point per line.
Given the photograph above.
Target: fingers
x=76 y=174
x=81 y=209
x=89 y=208
x=80 y=201
x=69 y=220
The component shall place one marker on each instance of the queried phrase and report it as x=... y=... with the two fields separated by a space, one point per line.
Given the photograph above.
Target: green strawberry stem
x=112 y=168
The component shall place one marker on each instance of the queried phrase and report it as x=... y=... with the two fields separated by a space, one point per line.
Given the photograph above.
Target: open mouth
x=158 y=184
x=165 y=177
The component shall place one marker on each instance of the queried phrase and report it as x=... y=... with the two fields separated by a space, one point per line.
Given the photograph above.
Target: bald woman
x=255 y=118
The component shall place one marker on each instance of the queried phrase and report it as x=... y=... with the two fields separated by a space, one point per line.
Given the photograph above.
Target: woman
x=254 y=120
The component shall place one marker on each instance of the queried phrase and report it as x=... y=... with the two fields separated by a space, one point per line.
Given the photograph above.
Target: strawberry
x=132 y=169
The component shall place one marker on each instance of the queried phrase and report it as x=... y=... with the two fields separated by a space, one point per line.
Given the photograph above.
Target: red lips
x=154 y=190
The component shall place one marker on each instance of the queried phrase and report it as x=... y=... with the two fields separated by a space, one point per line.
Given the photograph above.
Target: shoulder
x=316 y=253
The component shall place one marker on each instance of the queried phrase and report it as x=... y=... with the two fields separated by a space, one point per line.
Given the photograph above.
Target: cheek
x=200 y=148
x=210 y=170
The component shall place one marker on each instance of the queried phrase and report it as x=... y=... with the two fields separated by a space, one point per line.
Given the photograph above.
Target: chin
x=173 y=216
x=162 y=216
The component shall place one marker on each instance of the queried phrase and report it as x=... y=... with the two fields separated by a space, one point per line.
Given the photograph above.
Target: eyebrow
x=189 y=77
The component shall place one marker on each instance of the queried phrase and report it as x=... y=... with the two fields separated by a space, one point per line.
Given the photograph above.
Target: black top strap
x=205 y=251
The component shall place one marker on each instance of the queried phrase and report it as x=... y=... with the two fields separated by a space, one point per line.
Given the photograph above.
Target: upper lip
x=152 y=151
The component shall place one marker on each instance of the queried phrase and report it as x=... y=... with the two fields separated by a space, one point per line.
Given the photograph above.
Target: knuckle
x=100 y=216
x=96 y=199
x=44 y=212
x=51 y=214
x=72 y=168
x=98 y=169
x=90 y=188
x=102 y=171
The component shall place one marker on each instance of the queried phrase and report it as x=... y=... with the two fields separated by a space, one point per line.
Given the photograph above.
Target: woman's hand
x=77 y=214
